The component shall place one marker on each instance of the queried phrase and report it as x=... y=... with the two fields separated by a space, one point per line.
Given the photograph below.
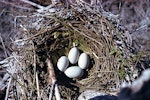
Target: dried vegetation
x=50 y=33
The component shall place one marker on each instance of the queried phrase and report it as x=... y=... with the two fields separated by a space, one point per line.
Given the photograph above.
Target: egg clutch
x=74 y=57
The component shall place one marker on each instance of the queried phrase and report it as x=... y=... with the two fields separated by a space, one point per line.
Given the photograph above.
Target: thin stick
x=51 y=92
x=52 y=80
x=57 y=93
x=4 y=48
x=33 y=4
x=1 y=12
x=7 y=91
x=34 y=64
x=37 y=85
x=51 y=76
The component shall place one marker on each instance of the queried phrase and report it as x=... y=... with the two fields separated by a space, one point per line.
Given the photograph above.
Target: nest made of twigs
x=50 y=35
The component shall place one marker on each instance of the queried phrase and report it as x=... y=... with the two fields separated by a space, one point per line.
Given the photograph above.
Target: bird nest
x=51 y=33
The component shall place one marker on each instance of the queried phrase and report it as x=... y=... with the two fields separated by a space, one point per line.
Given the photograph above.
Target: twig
x=37 y=85
x=14 y=5
x=57 y=94
x=52 y=80
x=4 y=48
x=1 y=12
x=51 y=91
x=34 y=64
x=33 y=4
x=7 y=91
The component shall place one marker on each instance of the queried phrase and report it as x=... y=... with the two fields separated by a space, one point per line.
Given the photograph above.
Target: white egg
x=83 y=61
x=74 y=72
x=62 y=63
x=73 y=55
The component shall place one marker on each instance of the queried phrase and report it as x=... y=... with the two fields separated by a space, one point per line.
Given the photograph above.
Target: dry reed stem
x=4 y=48
x=33 y=4
x=8 y=87
x=52 y=80
x=37 y=86
x=34 y=64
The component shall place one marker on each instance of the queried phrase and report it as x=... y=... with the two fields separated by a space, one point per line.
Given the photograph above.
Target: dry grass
x=47 y=34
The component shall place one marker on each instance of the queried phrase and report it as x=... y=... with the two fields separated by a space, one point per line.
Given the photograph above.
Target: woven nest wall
x=51 y=34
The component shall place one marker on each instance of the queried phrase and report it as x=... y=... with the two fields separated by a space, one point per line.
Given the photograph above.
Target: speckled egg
x=83 y=61
x=73 y=55
x=74 y=72
x=62 y=63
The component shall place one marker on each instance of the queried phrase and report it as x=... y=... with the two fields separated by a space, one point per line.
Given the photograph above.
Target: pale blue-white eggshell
x=83 y=61
x=73 y=55
x=74 y=72
x=62 y=63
